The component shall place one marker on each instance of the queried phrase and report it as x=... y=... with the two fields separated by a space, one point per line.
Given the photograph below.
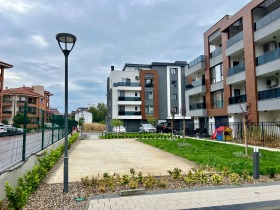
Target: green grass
x=217 y=155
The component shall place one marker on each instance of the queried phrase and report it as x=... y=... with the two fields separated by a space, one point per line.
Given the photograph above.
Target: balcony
x=129 y=98
x=235 y=44
x=269 y=99
x=7 y=113
x=127 y=84
x=198 y=106
x=234 y=103
x=237 y=99
x=129 y=101
x=7 y=102
x=236 y=74
x=197 y=110
x=196 y=87
x=216 y=57
x=124 y=113
x=216 y=52
x=268 y=63
x=267 y=25
x=196 y=65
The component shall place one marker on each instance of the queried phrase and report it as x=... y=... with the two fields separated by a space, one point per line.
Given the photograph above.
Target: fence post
x=24 y=130
x=262 y=135
x=43 y=128
x=52 y=129
x=241 y=133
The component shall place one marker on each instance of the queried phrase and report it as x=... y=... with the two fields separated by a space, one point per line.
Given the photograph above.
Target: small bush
x=176 y=173
x=234 y=177
x=149 y=181
x=216 y=179
x=271 y=171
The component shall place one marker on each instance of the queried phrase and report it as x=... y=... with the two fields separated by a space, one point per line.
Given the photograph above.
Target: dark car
x=164 y=127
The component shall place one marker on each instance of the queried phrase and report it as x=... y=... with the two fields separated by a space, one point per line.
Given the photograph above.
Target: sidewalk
x=258 y=196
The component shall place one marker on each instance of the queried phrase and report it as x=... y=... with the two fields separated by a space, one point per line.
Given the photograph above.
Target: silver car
x=147 y=128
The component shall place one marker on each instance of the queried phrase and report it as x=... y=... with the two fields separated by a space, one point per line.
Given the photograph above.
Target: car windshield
x=147 y=126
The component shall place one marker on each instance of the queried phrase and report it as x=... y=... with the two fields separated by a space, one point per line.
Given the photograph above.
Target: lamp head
x=66 y=39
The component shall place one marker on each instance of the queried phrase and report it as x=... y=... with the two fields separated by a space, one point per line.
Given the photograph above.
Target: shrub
x=246 y=176
x=176 y=173
x=149 y=181
x=125 y=179
x=216 y=179
x=271 y=171
x=234 y=177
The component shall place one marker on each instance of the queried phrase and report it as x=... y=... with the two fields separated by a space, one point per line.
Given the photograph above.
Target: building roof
x=5 y=65
x=26 y=91
x=176 y=63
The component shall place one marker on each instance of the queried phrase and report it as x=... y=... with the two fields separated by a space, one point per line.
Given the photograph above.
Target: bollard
x=256 y=164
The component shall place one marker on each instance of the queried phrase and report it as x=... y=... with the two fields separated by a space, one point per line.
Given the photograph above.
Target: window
x=149 y=82
x=173 y=83
x=174 y=109
x=216 y=73
x=135 y=93
x=174 y=97
x=41 y=100
x=149 y=95
x=173 y=70
x=217 y=99
x=149 y=109
x=136 y=108
x=121 y=94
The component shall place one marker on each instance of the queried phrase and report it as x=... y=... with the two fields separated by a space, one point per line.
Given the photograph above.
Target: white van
x=2 y=128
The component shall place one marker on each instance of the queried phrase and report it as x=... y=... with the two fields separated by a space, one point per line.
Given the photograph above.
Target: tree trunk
x=245 y=135
x=184 y=129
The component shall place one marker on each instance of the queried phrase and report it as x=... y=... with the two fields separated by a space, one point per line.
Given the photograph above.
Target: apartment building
x=36 y=97
x=142 y=90
x=3 y=66
x=241 y=64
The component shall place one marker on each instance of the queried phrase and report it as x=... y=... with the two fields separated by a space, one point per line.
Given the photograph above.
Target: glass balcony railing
x=236 y=69
x=236 y=38
x=267 y=19
x=129 y=98
x=268 y=57
x=237 y=99
x=199 y=59
x=196 y=83
x=123 y=113
x=216 y=52
x=198 y=106
x=129 y=84
x=269 y=94
x=7 y=112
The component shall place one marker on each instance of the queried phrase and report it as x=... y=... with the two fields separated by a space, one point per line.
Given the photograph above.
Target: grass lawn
x=217 y=155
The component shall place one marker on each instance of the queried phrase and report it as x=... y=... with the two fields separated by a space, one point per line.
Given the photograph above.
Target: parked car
x=147 y=128
x=164 y=127
x=119 y=129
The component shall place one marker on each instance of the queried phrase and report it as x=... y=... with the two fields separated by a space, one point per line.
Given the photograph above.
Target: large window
x=149 y=95
x=217 y=99
x=216 y=73
x=149 y=109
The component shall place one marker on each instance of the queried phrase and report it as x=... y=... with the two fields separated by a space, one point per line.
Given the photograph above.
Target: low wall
x=22 y=168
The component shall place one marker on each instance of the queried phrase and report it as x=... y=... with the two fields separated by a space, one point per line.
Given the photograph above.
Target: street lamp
x=66 y=40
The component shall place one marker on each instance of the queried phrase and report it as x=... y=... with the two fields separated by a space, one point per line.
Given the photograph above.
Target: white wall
x=262 y=82
x=87 y=116
x=239 y=86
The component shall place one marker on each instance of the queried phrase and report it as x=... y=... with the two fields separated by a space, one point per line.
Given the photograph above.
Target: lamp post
x=66 y=43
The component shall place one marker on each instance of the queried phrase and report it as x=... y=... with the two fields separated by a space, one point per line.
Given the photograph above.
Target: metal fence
x=265 y=134
x=16 y=147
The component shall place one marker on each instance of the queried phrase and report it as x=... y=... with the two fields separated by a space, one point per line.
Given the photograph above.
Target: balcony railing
x=7 y=101
x=199 y=59
x=216 y=52
x=268 y=57
x=198 y=106
x=269 y=94
x=217 y=104
x=236 y=38
x=123 y=113
x=236 y=69
x=7 y=112
x=129 y=84
x=267 y=19
x=237 y=99
x=129 y=98
x=196 y=83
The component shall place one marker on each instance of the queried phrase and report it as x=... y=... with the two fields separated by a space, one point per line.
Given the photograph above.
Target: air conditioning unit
x=272 y=82
x=137 y=77
x=269 y=46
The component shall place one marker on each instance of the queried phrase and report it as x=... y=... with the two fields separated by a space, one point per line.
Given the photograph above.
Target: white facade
x=85 y=114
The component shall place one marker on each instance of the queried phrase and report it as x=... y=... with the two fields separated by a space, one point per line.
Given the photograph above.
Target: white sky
x=109 y=32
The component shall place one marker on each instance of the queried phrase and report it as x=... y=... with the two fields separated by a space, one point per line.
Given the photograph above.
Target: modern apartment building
x=3 y=66
x=36 y=97
x=241 y=64
x=142 y=90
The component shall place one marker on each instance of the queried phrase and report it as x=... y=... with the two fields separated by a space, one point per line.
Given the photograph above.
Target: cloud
x=39 y=41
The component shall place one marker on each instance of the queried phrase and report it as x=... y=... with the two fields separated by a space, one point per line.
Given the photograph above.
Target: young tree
x=81 y=123
x=116 y=123
x=152 y=120
x=19 y=119
x=246 y=111
x=99 y=113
